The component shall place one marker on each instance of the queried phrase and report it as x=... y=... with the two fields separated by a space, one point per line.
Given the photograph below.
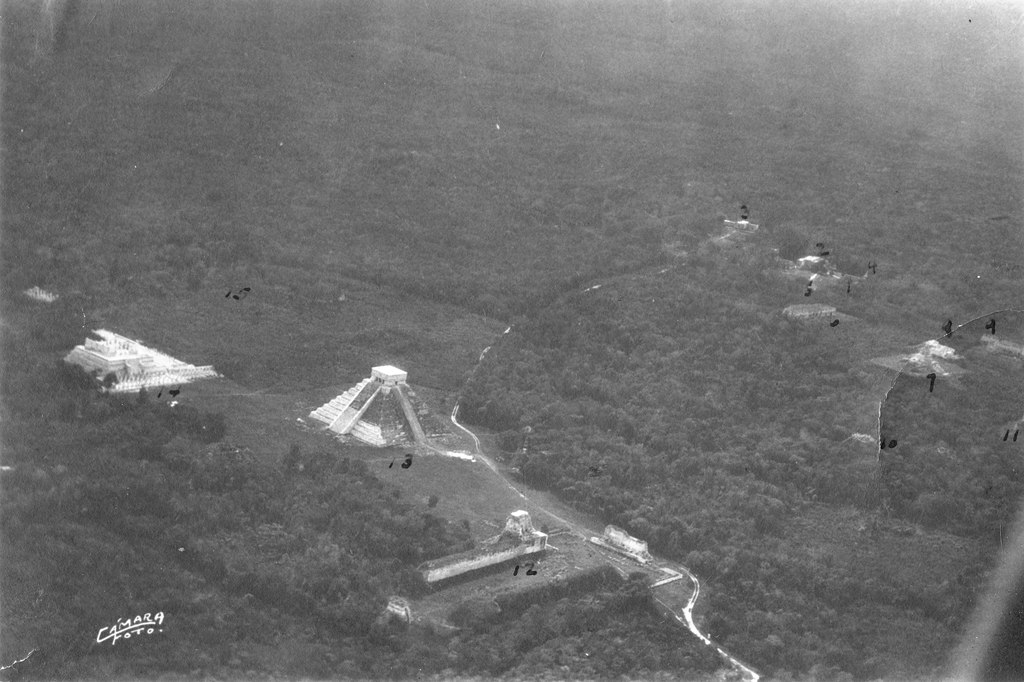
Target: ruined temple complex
x=133 y=365
x=519 y=538
x=379 y=410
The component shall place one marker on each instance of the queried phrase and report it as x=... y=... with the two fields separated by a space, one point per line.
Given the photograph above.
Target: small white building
x=809 y=311
x=37 y=294
x=616 y=539
x=621 y=538
x=399 y=608
x=389 y=375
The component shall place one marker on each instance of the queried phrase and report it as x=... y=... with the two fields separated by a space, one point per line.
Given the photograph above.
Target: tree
x=792 y=244
x=292 y=459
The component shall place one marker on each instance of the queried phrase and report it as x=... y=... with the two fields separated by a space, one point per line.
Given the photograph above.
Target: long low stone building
x=518 y=539
x=993 y=343
x=618 y=540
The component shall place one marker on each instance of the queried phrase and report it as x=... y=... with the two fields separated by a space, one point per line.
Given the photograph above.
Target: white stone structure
x=809 y=311
x=736 y=229
x=37 y=294
x=931 y=356
x=519 y=538
x=616 y=539
x=996 y=344
x=399 y=607
x=376 y=411
x=133 y=365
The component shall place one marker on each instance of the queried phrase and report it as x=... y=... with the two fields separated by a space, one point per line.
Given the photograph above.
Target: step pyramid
x=376 y=411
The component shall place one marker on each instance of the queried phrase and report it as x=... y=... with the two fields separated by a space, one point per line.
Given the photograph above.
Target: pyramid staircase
x=332 y=412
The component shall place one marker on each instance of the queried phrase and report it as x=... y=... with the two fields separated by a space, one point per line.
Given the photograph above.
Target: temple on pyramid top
x=388 y=375
x=378 y=410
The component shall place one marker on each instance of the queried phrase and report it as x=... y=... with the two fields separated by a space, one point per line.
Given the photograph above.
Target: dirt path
x=683 y=615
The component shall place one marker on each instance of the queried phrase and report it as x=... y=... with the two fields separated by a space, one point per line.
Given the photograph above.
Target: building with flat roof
x=809 y=311
x=132 y=364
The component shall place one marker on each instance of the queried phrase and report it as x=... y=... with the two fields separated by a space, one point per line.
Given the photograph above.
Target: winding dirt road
x=685 y=617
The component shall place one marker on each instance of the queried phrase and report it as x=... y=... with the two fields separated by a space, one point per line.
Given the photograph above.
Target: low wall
x=432 y=575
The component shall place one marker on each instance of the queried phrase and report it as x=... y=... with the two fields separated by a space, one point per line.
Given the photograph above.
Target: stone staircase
x=331 y=412
x=410 y=416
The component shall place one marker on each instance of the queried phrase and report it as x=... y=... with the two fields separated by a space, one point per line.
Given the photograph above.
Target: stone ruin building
x=993 y=343
x=809 y=311
x=618 y=540
x=398 y=607
x=380 y=410
x=519 y=538
x=132 y=364
x=37 y=294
